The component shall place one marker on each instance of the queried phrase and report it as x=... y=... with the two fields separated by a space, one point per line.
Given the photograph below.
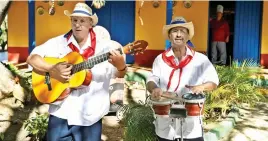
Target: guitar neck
x=92 y=61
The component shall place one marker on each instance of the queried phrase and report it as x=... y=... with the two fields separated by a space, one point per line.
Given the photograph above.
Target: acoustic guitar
x=49 y=90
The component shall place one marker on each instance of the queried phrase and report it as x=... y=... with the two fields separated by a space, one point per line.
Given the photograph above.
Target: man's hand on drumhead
x=157 y=93
x=196 y=89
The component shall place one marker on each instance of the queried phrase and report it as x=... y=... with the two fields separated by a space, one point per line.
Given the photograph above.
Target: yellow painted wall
x=264 y=41
x=18 y=24
x=153 y=21
x=47 y=26
x=198 y=14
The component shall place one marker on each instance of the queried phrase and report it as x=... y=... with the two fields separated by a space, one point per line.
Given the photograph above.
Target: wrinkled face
x=81 y=26
x=178 y=36
x=219 y=15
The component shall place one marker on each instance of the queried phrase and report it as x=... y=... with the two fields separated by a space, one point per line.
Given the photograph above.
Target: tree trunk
x=4 y=6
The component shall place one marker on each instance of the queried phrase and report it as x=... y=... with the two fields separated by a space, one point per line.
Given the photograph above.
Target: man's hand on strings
x=61 y=71
x=117 y=60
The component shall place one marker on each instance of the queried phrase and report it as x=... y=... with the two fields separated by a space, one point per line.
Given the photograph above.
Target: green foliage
x=236 y=87
x=37 y=126
x=260 y=81
x=2 y=136
x=137 y=77
x=138 y=120
x=3 y=35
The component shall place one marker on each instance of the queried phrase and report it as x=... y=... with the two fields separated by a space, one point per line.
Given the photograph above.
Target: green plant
x=3 y=35
x=2 y=136
x=236 y=87
x=37 y=126
x=138 y=120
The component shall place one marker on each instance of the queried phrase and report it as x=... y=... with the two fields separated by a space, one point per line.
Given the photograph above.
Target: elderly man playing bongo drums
x=180 y=70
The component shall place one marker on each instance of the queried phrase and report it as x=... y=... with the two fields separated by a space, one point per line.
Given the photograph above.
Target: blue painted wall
x=168 y=19
x=247 y=30
x=31 y=14
x=118 y=17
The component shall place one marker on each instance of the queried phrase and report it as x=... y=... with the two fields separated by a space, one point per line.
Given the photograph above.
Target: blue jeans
x=59 y=130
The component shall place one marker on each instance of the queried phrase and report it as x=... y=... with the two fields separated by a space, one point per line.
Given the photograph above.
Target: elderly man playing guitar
x=76 y=113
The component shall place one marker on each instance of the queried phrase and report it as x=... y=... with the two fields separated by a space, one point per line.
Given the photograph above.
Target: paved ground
x=252 y=125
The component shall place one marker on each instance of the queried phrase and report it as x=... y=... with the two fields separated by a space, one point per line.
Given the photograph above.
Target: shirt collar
x=72 y=40
x=188 y=52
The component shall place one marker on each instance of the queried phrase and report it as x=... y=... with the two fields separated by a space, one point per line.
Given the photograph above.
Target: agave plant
x=138 y=119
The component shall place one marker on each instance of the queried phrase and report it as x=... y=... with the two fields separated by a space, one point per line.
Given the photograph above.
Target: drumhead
x=194 y=98
x=162 y=100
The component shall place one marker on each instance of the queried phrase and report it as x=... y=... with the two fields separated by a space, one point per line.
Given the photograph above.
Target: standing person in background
x=220 y=36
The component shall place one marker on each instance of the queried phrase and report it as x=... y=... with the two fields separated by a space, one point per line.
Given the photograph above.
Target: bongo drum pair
x=194 y=104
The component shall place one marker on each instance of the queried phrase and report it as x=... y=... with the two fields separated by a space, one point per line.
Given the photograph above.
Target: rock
x=2 y=95
x=43 y=109
x=20 y=93
x=5 y=72
x=5 y=112
x=12 y=102
x=7 y=81
x=6 y=85
x=4 y=126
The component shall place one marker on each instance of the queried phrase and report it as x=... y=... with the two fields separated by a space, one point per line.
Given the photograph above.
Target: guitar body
x=41 y=90
x=80 y=75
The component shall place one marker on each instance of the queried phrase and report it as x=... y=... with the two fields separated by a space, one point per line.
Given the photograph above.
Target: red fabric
x=220 y=30
x=88 y=51
x=170 y=61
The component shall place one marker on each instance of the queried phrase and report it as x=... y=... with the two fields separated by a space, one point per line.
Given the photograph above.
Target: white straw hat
x=179 y=22
x=82 y=10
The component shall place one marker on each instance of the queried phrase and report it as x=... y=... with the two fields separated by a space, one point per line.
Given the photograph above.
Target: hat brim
x=188 y=25
x=94 y=17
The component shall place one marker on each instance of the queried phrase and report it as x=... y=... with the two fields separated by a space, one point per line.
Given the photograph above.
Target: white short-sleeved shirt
x=87 y=105
x=198 y=71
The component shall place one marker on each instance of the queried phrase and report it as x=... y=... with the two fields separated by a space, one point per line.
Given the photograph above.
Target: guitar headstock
x=136 y=47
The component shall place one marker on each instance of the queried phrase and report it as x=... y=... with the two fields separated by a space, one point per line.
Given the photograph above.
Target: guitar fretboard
x=92 y=61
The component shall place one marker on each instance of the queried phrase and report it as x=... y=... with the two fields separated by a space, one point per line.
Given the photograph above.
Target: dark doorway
x=228 y=15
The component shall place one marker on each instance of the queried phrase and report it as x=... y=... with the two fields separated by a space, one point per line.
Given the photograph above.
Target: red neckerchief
x=90 y=50
x=170 y=61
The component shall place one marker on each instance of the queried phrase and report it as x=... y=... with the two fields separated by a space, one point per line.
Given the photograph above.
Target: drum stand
x=178 y=112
